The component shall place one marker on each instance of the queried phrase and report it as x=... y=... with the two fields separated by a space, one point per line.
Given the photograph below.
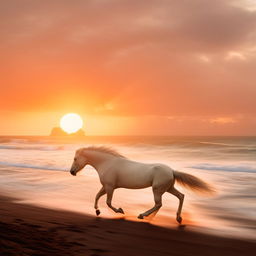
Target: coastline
x=61 y=191
x=46 y=211
x=32 y=230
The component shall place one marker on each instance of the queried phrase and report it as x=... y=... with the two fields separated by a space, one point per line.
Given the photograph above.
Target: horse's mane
x=104 y=149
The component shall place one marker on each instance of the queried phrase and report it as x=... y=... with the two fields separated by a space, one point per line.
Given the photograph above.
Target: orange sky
x=129 y=67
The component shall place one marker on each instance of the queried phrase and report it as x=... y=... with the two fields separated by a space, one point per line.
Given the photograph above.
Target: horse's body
x=124 y=173
x=116 y=171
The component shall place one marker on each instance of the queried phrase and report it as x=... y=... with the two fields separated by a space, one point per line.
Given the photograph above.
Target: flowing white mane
x=106 y=150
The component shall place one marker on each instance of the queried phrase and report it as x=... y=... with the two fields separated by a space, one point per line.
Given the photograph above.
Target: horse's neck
x=97 y=160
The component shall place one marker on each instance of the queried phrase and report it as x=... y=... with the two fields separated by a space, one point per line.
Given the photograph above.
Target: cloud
x=223 y=120
x=129 y=57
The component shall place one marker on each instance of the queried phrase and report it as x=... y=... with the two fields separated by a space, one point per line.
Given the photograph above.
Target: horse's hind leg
x=98 y=196
x=180 y=196
x=158 y=192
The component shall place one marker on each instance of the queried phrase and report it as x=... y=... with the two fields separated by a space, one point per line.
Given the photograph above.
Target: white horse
x=116 y=171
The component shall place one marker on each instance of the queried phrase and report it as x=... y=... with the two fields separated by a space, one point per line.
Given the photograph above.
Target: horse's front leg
x=98 y=196
x=110 y=191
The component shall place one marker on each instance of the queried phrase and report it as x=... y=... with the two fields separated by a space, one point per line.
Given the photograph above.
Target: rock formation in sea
x=58 y=132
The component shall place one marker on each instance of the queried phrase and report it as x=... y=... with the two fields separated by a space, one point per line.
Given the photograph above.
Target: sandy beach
x=30 y=230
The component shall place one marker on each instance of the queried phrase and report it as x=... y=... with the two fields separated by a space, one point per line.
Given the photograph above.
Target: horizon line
x=127 y=135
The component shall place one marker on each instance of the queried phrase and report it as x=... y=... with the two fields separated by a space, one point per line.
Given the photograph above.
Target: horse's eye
x=75 y=159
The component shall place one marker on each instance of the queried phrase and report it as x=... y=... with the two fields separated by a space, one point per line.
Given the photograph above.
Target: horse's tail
x=192 y=182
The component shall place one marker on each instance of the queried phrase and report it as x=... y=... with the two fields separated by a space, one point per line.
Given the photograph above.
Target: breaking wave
x=42 y=167
x=42 y=148
x=228 y=168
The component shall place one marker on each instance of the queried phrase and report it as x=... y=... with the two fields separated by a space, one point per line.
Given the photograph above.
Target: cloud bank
x=130 y=58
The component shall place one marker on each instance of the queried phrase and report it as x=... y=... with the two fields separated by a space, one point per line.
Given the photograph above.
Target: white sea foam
x=42 y=148
x=22 y=165
x=229 y=168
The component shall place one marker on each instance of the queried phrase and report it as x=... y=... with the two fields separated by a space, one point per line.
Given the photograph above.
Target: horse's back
x=131 y=174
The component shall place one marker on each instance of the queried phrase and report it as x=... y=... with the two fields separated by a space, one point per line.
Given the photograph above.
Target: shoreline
x=33 y=230
x=58 y=190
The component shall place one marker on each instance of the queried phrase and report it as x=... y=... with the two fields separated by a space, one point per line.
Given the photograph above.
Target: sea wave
x=42 y=148
x=218 y=144
x=42 y=167
x=228 y=168
x=18 y=140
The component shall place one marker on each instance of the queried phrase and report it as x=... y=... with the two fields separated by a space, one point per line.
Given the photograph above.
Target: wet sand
x=31 y=230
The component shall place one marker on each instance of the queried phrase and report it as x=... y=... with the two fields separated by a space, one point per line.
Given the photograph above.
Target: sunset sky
x=177 y=67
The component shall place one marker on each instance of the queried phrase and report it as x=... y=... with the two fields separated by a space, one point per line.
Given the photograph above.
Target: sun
x=71 y=123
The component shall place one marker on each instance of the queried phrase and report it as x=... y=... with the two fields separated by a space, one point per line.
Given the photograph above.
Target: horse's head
x=79 y=162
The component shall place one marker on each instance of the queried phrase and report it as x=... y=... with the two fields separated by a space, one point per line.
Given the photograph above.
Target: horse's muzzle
x=73 y=173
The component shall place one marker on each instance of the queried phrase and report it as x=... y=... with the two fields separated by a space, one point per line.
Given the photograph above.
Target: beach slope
x=31 y=230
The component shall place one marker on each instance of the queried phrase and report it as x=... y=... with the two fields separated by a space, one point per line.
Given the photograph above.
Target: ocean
x=35 y=169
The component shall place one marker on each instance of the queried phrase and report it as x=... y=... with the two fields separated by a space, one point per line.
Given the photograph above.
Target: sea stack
x=58 y=132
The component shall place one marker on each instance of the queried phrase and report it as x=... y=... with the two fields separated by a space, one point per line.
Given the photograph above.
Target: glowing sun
x=71 y=123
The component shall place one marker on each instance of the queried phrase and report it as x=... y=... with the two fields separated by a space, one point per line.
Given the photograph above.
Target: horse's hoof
x=140 y=216
x=120 y=210
x=97 y=212
x=179 y=219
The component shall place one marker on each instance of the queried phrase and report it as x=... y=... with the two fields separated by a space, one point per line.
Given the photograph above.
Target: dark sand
x=31 y=230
